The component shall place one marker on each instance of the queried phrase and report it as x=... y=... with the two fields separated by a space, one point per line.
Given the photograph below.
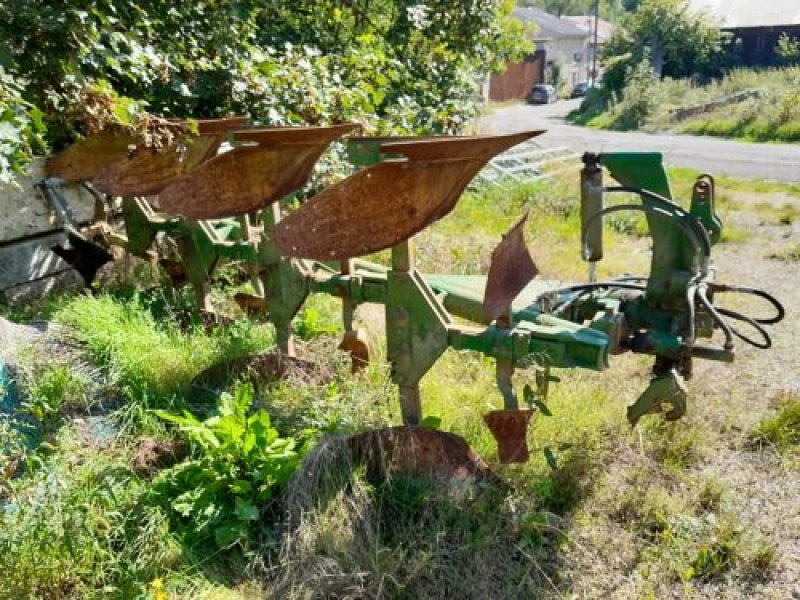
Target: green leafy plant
x=21 y=129
x=239 y=465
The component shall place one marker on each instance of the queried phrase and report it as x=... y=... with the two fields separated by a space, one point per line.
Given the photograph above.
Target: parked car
x=580 y=90
x=542 y=94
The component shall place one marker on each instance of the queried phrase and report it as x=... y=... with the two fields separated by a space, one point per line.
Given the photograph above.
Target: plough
x=228 y=205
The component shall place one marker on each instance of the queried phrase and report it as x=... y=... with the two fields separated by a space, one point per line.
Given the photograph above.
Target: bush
x=239 y=464
x=638 y=98
x=21 y=129
x=394 y=67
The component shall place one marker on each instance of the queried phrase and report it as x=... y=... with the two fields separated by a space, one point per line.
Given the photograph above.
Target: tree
x=788 y=50
x=610 y=10
x=395 y=65
x=680 y=43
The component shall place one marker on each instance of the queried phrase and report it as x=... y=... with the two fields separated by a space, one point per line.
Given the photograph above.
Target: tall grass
x=650 y=105
x=593 y=494
x=150 y=357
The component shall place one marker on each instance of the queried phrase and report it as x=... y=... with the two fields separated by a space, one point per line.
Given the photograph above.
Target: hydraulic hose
x=694 y=223
x=701 y=293
x=753 y=323
x=780 y=312
x=687 y=230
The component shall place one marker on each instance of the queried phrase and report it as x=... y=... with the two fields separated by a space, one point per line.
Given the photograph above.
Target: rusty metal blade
x=289 y=136
x=148 y=172
x=250 y=177
x=512 y=268
x=457 y=147
x=389 y=202
x=509 y=429
x=83 y=160
x=221 y=125
x=419 y=452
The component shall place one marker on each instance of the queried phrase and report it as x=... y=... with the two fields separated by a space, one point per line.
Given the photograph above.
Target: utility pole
x=594 y=52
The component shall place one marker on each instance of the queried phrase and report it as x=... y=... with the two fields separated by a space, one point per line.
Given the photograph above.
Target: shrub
x=239 y=463
x=21 y=129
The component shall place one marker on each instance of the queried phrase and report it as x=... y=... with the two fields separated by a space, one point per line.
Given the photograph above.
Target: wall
x=518 y=79
x=573 y=53
x=758 y=43
x=28 y=229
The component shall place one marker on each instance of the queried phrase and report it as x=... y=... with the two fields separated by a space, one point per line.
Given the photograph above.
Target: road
x=780 y=162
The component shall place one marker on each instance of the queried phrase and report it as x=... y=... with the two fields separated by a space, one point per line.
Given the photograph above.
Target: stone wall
x=24 y=213
x=28 y=229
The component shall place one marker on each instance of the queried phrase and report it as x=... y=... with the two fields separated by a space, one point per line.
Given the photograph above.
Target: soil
x=152 y=455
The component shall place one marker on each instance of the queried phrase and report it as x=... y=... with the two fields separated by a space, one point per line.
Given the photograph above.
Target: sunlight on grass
x=150 y=357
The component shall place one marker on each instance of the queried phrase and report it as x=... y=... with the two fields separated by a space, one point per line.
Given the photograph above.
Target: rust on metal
x=147 y=172
x=387 y=203
x=294 y=136
x=418 y=452
x=222 y=125
x=84 y=159
x=249 y=177
x=511 y=269
x=356 y=344
x=457 y=146
x=510 y=428
x=250 y=302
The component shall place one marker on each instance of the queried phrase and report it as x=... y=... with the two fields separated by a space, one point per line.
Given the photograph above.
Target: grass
x=773 y=116
x=595 y=497
x=780 y=431
x=790 y=253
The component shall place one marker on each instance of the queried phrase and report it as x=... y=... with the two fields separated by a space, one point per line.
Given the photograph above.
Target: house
x=564 y=51
x=605 y=29
x=756 y=24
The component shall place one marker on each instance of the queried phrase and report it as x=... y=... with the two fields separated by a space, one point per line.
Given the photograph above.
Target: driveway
x=780 y=162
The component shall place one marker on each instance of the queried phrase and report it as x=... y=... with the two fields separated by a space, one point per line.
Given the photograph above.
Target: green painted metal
x=587 y=326
x=646 y=171
x=702 y=207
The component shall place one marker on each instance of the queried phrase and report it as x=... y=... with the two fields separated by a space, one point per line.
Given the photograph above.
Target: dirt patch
x=14 y=337
x=152 y=455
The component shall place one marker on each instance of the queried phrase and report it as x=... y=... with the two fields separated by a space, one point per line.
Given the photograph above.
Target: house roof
x=737 y=14
x=549 y=27
x=586 y=22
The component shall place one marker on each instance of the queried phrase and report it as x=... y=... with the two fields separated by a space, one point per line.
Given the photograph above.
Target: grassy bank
x=772 y=116
x=161 y=503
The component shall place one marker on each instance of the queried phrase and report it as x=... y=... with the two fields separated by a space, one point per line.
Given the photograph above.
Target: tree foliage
x=21 y=129
x=611 y=10
x=395 y=65
x=680 y=43
x=787 y=50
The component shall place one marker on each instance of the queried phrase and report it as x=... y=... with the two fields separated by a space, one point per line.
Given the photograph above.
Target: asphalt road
x=780 y=162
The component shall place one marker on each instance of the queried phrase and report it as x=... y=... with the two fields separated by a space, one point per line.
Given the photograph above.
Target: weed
x=675 y=445
x=74 y=527
x=781 y=431
x=710 y=496
x=735 y=235
x=646 y=507
x=652 y=105
x=404 y=538
x=239 y=464
x=52 y=390
x=152 y=361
